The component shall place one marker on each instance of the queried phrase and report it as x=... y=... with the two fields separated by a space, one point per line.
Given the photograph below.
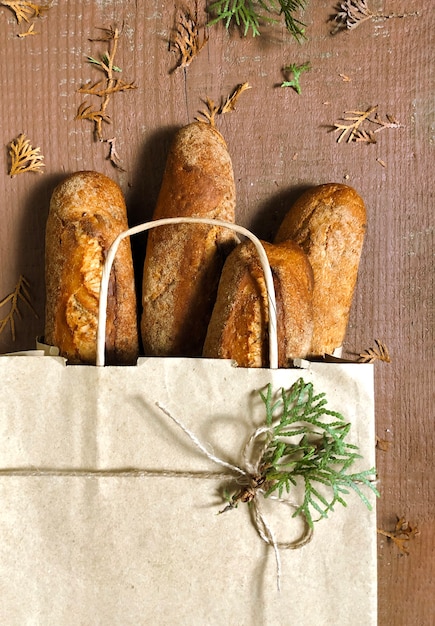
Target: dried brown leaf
x=383 y=444
x=403 y=532
x=113 y=154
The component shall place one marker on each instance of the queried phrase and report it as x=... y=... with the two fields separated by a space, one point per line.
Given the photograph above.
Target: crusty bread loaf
x=87 y=212
x=238 y=327
x=329 y=223
x=183 y=262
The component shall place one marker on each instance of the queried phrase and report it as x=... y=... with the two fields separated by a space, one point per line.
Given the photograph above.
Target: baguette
x=238 y=326
x=329 y=223
x=183 y=262
x=87 y=212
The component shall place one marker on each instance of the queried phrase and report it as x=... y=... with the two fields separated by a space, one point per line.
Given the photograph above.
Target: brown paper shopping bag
x=110 y=509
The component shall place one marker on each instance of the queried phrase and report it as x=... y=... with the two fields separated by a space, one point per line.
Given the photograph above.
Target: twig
x=104 y=89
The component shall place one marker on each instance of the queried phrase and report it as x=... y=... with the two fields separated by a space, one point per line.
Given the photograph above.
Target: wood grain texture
x=280 y=144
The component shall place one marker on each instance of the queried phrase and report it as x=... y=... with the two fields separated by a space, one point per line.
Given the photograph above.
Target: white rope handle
x=107 y=267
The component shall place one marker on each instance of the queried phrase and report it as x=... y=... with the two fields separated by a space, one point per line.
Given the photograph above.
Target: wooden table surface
x=280 y=143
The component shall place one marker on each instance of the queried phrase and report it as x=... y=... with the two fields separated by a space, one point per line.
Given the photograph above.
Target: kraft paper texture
x=141 y=550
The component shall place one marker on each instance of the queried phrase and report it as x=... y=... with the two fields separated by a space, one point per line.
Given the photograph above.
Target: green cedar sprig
x=317 y=454
x=249 y=14
x=296 y=71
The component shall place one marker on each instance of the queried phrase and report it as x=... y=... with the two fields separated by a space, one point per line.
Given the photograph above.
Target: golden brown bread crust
x=238 y=326
x=183 y=262
x=87 y=212
x=329 y=223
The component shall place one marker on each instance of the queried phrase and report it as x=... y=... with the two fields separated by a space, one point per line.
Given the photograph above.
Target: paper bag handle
x=107 y=267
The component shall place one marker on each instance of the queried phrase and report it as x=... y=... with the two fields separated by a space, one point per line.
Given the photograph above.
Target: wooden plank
x=280 y=143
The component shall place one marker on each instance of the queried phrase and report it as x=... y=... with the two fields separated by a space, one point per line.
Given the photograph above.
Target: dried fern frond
x=380 y=353
x=353 y=129
x=351 y=13
x=24 y=11
x=104 y=89
x=230 y=102
x=364 y=136
x=24 y=158
x=187 y=39
x=401 y=535
x=354 y=120
x=390 y=122
x=209 y=113
x=20 y=293
x=226 y=106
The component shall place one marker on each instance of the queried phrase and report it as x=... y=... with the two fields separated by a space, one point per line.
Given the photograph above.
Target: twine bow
x=253 y=492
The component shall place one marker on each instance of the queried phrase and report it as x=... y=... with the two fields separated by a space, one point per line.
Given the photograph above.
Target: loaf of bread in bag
x=238 y=327
x=329 y=223
x=87 y=212
x=183 y=262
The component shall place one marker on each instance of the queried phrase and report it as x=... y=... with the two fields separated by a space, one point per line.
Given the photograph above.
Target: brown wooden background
x=280 y=143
